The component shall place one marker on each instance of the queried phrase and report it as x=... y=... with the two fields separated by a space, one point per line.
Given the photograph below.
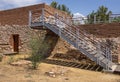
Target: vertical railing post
x=60 y=31
x=94 y=19
x=98 y=52
x=110 y=18
x=77 y=39
x=43 y=16
x=108 y=52
x=107 y=56
x=56 y=19
x=30 y=18
x=70 y=28
x=88 y=20
x=99 y=19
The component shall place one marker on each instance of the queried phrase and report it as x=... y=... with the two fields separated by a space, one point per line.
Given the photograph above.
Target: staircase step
x=111 y=64
x=94 y=67
x=93 y=53
x=87 y=66
x=99 y=68
x=101 y=58
x=90 y=50
x=72 y=38
x=105 y=61
x=90 y=66
x=85 y=47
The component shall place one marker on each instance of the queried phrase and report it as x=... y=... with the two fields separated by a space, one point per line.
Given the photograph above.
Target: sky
x=79 y=7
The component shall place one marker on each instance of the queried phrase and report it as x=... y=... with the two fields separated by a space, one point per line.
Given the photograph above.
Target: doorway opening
x=15 y=42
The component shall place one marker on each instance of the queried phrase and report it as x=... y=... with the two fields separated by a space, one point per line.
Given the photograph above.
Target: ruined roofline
x=30 y=6
x=16 y=8
x=19 y=16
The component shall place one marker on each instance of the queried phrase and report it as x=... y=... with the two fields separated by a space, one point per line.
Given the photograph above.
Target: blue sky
x=86 y=6
x=76 y=6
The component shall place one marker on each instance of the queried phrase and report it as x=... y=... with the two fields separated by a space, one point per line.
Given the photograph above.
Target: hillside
x=102 y=30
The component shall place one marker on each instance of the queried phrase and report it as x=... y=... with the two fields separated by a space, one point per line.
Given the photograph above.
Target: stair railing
x=78 y=34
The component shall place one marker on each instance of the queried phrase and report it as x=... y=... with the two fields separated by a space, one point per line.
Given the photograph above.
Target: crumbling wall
x=64 y=50
x=20 y=16
x=113 y=43
x=25 y=34
x=59 y=48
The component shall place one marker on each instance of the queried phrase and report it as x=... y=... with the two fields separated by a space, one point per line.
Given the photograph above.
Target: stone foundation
x=24 y=33
x=58 y=48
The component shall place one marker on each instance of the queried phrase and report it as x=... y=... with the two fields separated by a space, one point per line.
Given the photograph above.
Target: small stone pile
x=57 y=71
x=21 y=63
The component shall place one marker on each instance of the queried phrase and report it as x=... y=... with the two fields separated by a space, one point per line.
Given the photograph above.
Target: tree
x=59 y=7
x=116 y=19
x=54 y=4
x=101 y=15
x=62 y=7
x=38 y=50
x=91 y=17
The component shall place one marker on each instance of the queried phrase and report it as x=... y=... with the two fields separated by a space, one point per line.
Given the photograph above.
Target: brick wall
x=19 y=16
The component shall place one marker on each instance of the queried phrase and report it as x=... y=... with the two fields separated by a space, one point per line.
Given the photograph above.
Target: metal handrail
x=80 y=31
x=76 y=37
x=76 y=33
x=73 y=32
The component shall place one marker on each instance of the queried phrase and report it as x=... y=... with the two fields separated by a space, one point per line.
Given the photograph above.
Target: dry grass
x=10 y=73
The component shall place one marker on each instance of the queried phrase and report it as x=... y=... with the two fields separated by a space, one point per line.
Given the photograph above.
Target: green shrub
x=38 y=50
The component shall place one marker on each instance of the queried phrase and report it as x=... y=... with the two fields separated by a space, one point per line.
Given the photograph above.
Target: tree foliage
x=62 y=7
x=116 y=19
x=102 y=15
x=54 y=4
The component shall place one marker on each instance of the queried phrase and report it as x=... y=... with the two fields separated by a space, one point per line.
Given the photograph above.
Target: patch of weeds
x=10 y=60
x=28 y=76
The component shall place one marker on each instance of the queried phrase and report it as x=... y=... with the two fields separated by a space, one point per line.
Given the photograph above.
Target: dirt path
x=10 y=73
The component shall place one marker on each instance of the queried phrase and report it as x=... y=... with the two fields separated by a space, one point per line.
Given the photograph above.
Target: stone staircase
x=92 y=48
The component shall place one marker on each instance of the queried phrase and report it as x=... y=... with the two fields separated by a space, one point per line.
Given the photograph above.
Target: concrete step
x=117 y=69
x=9 y=53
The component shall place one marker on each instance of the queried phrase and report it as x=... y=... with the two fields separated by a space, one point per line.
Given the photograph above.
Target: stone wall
x=114 y=44
x=58 y=47
x=25 y=34
x=64 y=50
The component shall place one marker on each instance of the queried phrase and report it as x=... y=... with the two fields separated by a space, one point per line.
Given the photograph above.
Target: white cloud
x=6 y=4
x=78 y=15
x=79 y=18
